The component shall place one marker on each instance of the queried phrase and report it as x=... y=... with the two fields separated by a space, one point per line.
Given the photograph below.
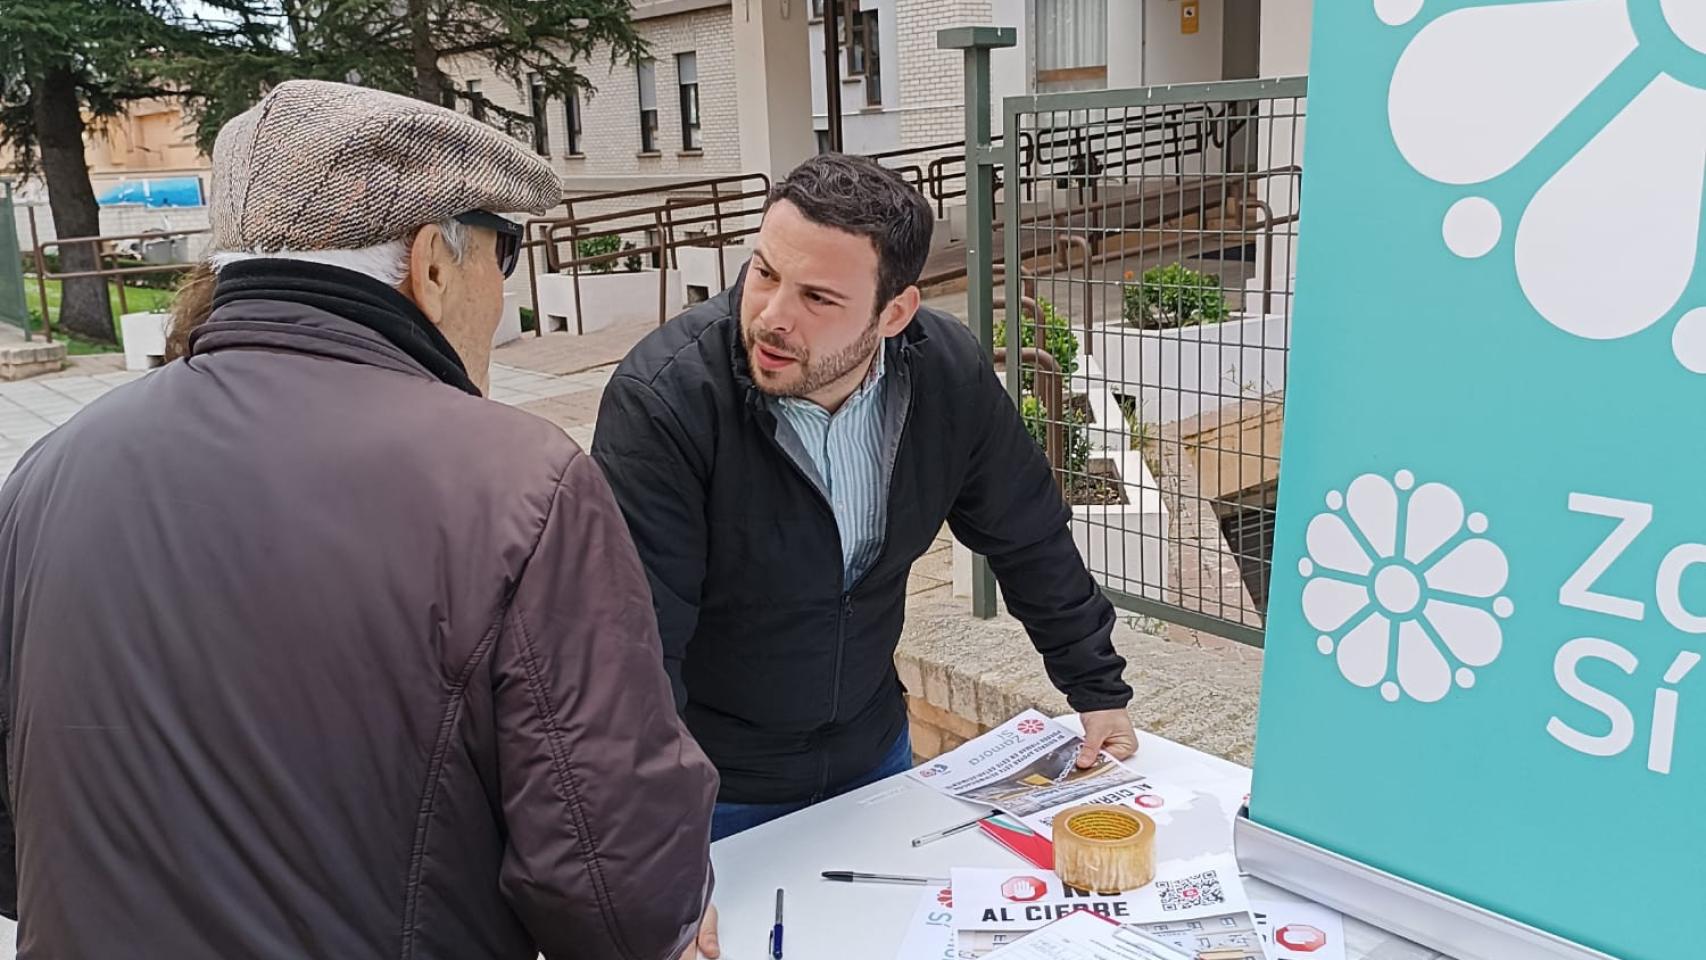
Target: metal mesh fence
x=13 y=309
x=1154 y=233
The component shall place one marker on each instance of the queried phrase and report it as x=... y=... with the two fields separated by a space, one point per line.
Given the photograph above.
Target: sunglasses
x=509 y=236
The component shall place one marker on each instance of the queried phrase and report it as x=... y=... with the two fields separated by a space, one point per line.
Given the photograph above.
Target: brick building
x=671 y=116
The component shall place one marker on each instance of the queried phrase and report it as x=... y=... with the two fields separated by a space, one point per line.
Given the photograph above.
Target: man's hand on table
x=1109 y=730
x=705 y=944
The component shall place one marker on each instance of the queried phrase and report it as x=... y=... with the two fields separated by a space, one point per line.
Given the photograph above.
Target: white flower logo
x=1440 y=590
x=1607 y=245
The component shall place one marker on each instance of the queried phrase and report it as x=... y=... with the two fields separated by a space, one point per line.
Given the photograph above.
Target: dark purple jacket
x=306 y=654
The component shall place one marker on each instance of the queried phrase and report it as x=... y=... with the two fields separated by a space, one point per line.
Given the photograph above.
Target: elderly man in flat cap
x=310 y=651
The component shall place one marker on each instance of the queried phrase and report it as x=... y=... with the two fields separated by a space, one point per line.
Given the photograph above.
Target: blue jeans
x=731 y=818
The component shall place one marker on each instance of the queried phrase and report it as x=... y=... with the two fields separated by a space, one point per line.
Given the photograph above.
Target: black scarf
x=354 y=297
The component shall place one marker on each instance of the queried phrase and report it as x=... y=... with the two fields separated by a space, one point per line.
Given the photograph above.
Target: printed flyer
x=930 y=935
x=1086 y=936
x=1026 y=766
x=1299 y=929
x=1194 y=905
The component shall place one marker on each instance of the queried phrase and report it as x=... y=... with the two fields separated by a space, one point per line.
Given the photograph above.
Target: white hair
x=386 y=262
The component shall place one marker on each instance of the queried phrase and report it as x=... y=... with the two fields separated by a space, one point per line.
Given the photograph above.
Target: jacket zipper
x=846 y=611
x=888 y=523
x=840 y=576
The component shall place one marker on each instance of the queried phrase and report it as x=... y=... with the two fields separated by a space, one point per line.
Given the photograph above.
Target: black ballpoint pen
x=849 y=876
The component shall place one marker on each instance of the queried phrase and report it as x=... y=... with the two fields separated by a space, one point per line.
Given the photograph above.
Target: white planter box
x=1123 y=545
x=1179 y=374
x=699 y=268
x=606 y=299
x=1108 y=429
x=509 y=324
x=144 y=337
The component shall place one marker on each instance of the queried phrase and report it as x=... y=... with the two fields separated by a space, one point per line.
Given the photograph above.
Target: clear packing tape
x=1104 y=849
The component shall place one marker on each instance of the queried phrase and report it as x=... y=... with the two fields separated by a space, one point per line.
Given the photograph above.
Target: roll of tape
x=1104 y=849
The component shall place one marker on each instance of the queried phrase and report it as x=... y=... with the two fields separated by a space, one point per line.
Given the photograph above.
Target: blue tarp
x=163 y=192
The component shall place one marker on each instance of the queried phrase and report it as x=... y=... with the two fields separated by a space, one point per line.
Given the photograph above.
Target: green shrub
x=1062 y=344
x=1074 y=438
x=1058 y=340
x=590 y=247
x=1174 y=296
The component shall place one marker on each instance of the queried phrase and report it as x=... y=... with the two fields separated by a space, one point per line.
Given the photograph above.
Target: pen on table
x=776 y=931
x=848 y=876
x=957 y=828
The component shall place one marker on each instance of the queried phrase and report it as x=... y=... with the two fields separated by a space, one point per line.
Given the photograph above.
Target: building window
x=572 y=121
x=1072 y=42
x=687 y=75
x=861 y=39
x=476 y=104
x=817 y=10
x=822 y=141
x=853 y=37
x=872 y=64
x=648 y=74
x=536 y=102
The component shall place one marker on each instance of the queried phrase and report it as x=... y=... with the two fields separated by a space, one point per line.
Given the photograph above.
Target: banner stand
x=1433 y=919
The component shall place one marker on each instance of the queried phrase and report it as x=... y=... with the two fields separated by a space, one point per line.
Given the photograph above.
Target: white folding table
x=871 y=830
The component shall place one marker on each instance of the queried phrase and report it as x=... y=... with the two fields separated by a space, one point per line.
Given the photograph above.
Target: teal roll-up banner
x=1489 y=598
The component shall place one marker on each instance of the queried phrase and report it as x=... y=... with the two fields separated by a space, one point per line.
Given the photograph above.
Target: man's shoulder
x=686 y=352
x=949 y=351
x=949 y=337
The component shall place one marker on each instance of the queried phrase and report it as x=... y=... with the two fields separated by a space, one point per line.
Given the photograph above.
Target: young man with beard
x=785 y=451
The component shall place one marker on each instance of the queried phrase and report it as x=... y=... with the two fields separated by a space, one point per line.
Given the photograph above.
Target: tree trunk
x=429 y=79
x=84 y=307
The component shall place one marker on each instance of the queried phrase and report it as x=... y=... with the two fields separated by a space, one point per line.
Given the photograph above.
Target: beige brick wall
x=932 y=81
x=610 y=117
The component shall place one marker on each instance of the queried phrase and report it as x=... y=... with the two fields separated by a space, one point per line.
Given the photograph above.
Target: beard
x=809 y=374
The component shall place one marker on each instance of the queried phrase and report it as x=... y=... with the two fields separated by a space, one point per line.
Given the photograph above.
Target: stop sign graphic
x=1024 y=889
x=1301 y=938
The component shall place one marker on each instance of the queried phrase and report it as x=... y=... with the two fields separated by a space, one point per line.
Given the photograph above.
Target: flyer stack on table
x=1026 y=768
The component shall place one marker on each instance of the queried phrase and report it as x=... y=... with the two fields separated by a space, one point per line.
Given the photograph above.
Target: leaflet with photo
x=1026 y=766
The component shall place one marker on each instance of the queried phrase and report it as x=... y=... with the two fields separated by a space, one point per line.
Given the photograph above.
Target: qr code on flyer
x=1188 y=893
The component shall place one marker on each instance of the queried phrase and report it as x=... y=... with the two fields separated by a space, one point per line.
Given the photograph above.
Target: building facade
x=673 y=115
x=899 y=92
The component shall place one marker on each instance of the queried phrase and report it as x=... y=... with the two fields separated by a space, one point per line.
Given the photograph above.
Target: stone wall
x=964 y=675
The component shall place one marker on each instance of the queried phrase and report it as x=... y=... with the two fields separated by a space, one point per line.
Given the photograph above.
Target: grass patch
x=137 y=300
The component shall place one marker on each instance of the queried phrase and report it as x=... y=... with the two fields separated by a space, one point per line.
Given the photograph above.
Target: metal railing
x=1069 y=153
x=712 y=213
x=1154 y=267
x=108 y=255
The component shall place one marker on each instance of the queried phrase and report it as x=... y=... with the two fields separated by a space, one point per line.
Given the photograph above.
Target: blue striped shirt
x=845 y=454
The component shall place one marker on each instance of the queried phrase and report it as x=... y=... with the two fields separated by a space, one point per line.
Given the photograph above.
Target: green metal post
x=13 y=307
x=982 y=159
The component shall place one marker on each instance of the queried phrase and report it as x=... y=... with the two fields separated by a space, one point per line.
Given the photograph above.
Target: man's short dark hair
x=863 y=197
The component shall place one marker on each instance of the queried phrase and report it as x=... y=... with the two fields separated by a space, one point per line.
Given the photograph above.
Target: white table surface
x=871 y=830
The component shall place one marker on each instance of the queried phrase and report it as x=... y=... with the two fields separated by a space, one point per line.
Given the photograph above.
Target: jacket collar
x=298 y=328
x=354 y=297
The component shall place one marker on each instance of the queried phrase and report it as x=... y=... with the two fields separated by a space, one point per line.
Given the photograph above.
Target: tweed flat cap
x=329 y=166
